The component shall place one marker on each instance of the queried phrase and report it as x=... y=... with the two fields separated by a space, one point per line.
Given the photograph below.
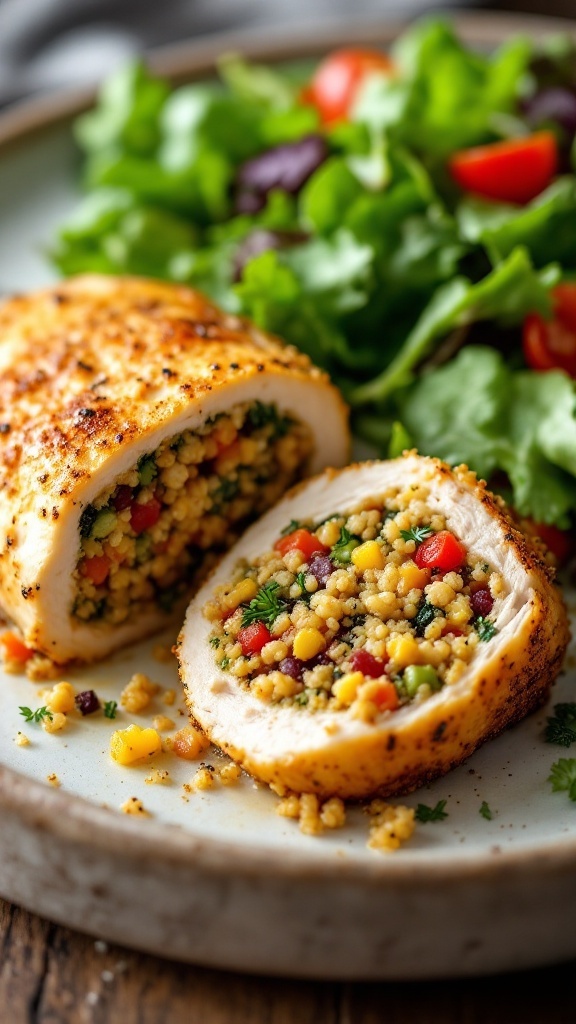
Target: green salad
x=408 y=220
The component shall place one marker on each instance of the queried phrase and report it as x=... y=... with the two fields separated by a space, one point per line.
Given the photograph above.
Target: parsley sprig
x=563 y=776
x=485 y=628
x=266 y=606
x=437 y=813
x=300 y=580
x=36 y=716
x=110 y=707
x=417 y=533
x=561 y=727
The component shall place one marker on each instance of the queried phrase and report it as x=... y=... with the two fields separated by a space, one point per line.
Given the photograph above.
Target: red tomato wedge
x=440 y=551
x=337 y=80
x=551 y=344
x=301 y=540
x=514 y=171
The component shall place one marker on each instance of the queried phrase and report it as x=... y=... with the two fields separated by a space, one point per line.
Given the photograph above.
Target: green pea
x=104 y=523
x=343 y=554
x=147 y=470
x=416 y=676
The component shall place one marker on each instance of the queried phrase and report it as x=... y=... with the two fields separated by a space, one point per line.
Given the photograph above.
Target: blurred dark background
x=50 y=44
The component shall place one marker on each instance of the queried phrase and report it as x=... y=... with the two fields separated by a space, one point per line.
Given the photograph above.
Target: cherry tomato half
x=551 y=344
x=514 y=171
x=337 y=80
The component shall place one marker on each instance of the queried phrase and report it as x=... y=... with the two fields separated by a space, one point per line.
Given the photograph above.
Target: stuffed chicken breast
x=140 y=429
x=371 y=630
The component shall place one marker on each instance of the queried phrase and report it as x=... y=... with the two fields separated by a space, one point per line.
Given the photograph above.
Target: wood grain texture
x=51 y=975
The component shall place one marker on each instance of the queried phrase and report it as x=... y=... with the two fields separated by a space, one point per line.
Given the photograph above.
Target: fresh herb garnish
x=563 y=776
x=485 y=628
x=561 y=727
x=301 y=699
x=224 y=663
x=109 y=708
x=437 y=813
x=292 y=526
x=417 y=533
x=36 y=716
x=485 y=811
x=265 y=607
x=424 y=616
x=214 y=641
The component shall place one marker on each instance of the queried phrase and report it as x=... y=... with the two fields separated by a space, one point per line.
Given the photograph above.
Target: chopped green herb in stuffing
x=485 y=628
x=265 y=607
x=110 y=707
x=214 y=641
x=292 y=526
x=344 y=546
x=417 y=533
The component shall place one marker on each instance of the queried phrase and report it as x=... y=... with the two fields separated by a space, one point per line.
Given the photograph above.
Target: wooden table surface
x=50 y=975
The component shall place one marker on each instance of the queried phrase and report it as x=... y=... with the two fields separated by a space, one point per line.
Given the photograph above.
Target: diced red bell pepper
x=559 y=542
x=96 y=569
x=301 y=540
x=14 y=648
x=253 y=637
x=364 y=662
x=143 y=517
x=386 y=697
x=514 y=171
x=441 y=551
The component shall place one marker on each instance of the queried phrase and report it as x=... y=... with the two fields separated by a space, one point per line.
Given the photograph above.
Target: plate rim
x=68 y=817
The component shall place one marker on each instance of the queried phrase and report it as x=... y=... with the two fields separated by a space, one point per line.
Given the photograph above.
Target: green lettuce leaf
x=477 y=411
x=506 y=295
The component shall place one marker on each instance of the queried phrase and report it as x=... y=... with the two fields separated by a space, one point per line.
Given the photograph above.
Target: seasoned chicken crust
x=94 y=372
x=333 y=753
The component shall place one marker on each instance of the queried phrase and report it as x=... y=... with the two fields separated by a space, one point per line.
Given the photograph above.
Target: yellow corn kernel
x=368 y=556
x=134 y=744
x=308 y=642
x=403 y=650
x=413 y=578
x=243 y=591
x=346 y=688
x=61 y=698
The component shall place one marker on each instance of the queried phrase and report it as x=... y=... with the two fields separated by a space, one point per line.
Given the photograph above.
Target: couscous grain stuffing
x=371 y=631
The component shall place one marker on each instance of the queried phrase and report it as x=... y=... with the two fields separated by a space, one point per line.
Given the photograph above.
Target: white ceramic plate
x=217 y=877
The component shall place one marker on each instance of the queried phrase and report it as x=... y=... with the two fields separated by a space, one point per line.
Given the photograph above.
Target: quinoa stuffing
x=143 y=539
x=364 y=612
